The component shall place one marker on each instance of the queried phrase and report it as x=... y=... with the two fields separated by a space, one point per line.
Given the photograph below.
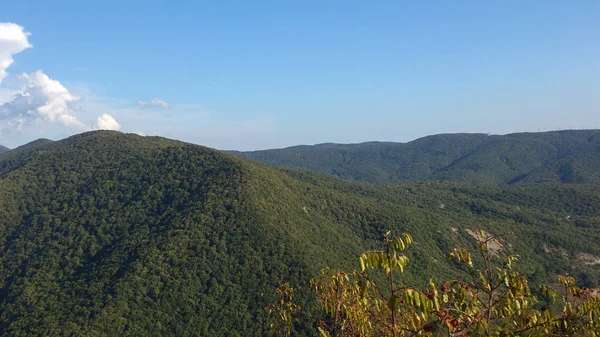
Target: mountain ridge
x=521 y=158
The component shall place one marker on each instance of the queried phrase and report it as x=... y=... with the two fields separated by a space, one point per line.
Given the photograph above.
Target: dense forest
x=570 y=156
x=115 y=234
x=3 y=149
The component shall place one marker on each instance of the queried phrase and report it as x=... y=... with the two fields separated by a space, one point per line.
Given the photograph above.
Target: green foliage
x=495 y=300
x=360 y=307
x=285 y=310
x=524 y=158
x=111 y=234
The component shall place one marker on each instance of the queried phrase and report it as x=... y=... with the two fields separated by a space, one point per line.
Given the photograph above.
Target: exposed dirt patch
x=560 y=250
x=494 y=245
x=588 y=259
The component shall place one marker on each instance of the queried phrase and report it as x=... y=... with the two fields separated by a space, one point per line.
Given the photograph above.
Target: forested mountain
x=4 y=149
x=106 y=233
x=571 y=156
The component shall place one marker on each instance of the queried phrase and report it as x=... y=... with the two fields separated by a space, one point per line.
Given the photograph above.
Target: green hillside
x=571 y=156
x=3 y=149
x=111 y=234
x=12 y=159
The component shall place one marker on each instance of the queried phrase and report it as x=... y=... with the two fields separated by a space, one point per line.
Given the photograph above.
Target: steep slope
x=24 y=152
x=3 y=149
x=111 y=234
x=123 y=235
x=525 y=158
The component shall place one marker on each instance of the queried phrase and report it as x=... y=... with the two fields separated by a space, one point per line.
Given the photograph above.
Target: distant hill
x=4 y=149
x=109 y=234
x=16 y=156
x=571 y=156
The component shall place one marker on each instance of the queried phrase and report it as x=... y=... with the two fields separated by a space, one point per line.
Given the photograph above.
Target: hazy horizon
x=322 y=143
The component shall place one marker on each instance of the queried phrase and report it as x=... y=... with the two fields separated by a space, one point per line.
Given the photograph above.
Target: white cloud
x=106 y=122
x=42 y=98
x=13 y=40
x=154 y=103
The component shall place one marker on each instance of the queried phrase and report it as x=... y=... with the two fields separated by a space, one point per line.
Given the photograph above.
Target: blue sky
x=263 y=74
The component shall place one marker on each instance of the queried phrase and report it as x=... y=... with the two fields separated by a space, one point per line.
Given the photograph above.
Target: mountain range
x=3 y=149
x=570 y=156
x=106 y=233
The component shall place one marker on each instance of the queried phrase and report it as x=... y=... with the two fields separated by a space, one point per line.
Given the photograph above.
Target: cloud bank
x=40 y=97
x=154 y=103
x=13 y=40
